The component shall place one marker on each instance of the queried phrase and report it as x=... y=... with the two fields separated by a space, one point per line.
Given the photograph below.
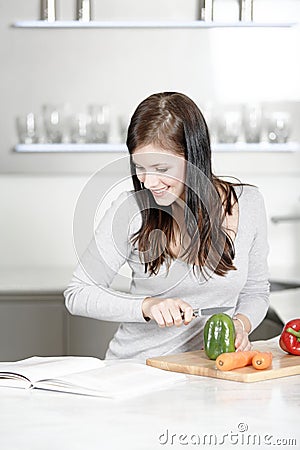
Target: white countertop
x=285 y=273
x=265 y=410
x=34 y=279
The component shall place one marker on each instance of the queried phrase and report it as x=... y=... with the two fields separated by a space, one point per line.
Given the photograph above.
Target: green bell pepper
x=219 y=335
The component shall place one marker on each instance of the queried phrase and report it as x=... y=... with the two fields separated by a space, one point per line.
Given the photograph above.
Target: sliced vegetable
x=219 y=335
x=230 y=361
x=262 y=360
x=290 y=337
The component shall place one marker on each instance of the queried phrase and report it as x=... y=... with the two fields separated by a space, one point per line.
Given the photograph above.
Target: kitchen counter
x=285 y=274
x=54 y=279
x=264 y=414
x=45 y=280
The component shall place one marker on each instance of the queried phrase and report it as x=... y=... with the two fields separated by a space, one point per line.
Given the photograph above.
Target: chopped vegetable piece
x=262 y=360
x=230 y=361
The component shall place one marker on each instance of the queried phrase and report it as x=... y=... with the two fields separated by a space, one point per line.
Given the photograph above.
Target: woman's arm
x=89 y=293
x=253 y=301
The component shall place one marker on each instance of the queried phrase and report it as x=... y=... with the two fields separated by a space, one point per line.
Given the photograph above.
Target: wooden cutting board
x=197 y=363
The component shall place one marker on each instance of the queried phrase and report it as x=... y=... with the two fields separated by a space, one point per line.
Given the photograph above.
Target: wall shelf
x=262 y=147
x=146 y=24
x=70 y=148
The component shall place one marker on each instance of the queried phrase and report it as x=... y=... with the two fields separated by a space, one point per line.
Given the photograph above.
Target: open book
x=86 y=375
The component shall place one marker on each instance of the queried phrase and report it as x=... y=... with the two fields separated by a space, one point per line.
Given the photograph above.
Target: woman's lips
x=159 y=192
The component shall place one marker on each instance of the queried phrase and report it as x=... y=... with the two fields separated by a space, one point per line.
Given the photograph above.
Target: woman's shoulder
x=251 y=204
x=127 y=198
x=126 y=206
x=248 y=193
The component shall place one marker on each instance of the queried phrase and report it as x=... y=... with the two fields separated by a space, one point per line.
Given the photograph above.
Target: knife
x=197 y=312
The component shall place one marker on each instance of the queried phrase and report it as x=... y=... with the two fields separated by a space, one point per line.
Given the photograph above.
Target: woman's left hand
x=241 y=336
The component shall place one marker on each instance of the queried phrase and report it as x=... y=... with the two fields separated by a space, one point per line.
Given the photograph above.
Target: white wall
x=121 y=67
x=37 y=213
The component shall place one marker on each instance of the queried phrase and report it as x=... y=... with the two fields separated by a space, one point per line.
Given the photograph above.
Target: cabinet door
x=89 y=337
x=31 y=326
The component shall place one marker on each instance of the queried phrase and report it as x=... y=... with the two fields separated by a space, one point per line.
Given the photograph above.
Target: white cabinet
x=88 y=337
x=31 y=325
x=39 y=325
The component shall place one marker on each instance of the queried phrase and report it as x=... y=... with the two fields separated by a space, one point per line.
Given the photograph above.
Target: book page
x=121 y=380
x=39 y=367
x=12 y=380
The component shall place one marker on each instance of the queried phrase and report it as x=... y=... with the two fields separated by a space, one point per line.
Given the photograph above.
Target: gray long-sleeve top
x=245 y=289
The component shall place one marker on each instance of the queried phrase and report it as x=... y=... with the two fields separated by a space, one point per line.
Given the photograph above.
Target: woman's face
x=162 y=172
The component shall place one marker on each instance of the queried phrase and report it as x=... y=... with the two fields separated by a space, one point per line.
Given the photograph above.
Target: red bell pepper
x=290 y=337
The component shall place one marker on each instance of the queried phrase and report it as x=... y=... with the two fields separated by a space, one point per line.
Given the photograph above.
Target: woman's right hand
x=167 y=311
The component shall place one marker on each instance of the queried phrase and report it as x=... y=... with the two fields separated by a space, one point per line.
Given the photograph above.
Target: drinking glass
x=28 y=128
x=48 y=10
x=246 y=10
x=229 y=126
x=209 y=113
x=278 y=127
x=252 y=120
x=54 y=123
x=79 y=128
x=123 y=126
x=100 y=123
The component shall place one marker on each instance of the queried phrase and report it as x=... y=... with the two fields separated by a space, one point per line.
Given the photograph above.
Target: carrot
x=262 y=360
x=234 y=360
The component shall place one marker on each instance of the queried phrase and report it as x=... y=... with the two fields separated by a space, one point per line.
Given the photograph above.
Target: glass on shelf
x=206 y=10
x=210 y=115
x=123 y=123
x=246 y=10
x=79 y=128
x=48 y=10
x=100 y=123
x=278 y=127
x=54 y=123
x=84 y=10
x=28 y=128
x=229 y=126
x=252 y=123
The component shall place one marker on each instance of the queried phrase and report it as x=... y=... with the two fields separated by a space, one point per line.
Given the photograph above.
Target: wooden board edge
x=269 y=374
x=154 y=363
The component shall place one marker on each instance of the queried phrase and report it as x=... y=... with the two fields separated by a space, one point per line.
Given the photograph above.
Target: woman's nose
x=150 y=180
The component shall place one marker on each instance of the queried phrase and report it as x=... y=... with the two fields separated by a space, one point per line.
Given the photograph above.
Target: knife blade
x=197 y=312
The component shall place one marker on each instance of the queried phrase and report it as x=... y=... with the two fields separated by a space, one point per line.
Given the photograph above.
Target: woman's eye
x=161 y=170
x=158 y=169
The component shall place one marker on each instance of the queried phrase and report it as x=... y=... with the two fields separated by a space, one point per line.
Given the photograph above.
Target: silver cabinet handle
x=278 y=219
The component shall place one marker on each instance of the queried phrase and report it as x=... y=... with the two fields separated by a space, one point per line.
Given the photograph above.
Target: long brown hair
x=174 y=122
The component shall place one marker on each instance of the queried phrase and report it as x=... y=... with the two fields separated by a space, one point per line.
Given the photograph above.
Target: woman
x=191 y=240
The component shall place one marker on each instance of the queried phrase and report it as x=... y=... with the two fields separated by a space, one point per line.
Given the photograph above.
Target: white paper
x=116 y=381
x=39 y=367
x=89 y=376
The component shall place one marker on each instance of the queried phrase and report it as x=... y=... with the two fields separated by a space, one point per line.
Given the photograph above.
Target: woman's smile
x=159 y=192
x=161 y=172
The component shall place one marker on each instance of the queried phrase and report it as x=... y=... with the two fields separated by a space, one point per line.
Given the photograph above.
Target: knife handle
x=194 y=313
